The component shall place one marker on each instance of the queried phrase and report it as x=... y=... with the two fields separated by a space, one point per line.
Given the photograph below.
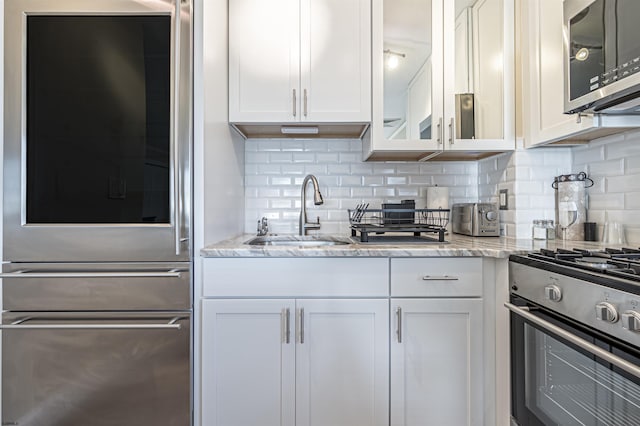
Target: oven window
x=98 y=116
x=566 y=387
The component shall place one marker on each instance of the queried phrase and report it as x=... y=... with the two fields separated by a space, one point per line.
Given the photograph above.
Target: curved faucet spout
x=304 y=225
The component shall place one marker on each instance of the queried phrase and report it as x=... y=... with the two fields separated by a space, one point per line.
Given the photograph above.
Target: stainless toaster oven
x=475 y=219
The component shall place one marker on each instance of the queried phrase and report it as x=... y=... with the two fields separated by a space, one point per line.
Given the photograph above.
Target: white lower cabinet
x=295 y=362
x=249 y=368
x=436 y=362
x=331 y=342
x=437 y=342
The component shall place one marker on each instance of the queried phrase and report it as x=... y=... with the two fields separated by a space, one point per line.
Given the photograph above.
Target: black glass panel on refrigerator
x=98 y=119
x=604 y=47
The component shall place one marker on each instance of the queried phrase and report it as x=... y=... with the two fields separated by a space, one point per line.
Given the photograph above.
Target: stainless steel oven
x=97 y=130
x=575 y=338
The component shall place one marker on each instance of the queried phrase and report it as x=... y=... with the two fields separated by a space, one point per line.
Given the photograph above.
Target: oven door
x=98 y=369
x=97 y=130
x=563 y=374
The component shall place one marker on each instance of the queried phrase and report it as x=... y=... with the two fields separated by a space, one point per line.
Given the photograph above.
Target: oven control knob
x=553 y=293
x=491 y=215
x=606 y=312
x=631 y=320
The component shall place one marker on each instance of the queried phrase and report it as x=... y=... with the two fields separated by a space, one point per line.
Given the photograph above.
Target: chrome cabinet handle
x=439 y=278
x=301 y=313
x=294 y=102
x=452 y=129
x=587 y=346
x=26 y=274
x=287 y=325
x=439 y=132
x=19 y=325
x=305 y=102
x=399 y=322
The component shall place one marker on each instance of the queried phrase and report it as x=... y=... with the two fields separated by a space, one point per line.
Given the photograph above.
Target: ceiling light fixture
x=393 y=58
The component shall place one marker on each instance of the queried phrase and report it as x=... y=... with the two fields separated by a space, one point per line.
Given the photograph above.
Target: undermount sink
x=297 y=240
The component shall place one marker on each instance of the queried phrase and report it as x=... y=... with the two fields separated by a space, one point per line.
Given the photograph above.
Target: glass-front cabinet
x=443 y=80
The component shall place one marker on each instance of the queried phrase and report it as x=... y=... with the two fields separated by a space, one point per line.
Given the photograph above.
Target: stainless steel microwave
x=602 y=56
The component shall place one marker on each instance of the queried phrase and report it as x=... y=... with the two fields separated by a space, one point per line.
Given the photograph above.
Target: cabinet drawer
x=436 y=277
x=296 y=277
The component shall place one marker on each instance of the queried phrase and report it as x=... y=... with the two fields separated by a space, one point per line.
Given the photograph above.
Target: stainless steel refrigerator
x=97 y=299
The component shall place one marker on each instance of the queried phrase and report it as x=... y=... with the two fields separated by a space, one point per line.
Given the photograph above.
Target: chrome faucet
x=263 y=227
x=304 y=224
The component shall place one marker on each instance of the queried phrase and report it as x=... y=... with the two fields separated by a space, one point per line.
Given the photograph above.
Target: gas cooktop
x=622 y=263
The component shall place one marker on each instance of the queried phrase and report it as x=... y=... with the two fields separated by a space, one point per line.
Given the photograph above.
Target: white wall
x=275 y=170
x=218 y=153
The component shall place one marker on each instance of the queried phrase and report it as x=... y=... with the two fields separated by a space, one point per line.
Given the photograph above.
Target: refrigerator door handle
x=19 y=325
x=173 y=273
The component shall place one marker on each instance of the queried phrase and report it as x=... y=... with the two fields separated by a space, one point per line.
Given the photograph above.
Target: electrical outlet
x=504 y=199
x=503 y=230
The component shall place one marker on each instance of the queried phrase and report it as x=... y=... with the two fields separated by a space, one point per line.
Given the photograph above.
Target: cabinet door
x=488 y=68
x=407 y=116
x=336 y=60
x=436 y=362
x=248 y=364
x=342 y=370
x=542 y=71
x=264 y=61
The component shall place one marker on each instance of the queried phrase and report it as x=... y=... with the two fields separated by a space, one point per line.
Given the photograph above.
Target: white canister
x=437 y=197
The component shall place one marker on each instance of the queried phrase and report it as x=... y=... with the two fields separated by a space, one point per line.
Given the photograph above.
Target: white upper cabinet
x=264 y=60
x=544 y=121
x=443 y=80
x=300 y=61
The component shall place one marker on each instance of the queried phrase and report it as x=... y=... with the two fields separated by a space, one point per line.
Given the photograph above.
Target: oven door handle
x=19 y=325
x=581 y=343
x=174 y=273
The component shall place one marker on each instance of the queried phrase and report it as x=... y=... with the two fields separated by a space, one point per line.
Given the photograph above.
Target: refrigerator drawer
x=96 y=286
x=78 y=369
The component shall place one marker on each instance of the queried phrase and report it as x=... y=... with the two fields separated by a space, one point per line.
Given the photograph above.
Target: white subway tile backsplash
x=350 y=157
x=327 y=157
x=624 y=183
x=265 y=145
x=280 y=180
x=373 y=180
x=396 y=180
x=282 y=157
x=424 y=180
x=277 y=167
x=274 y=170
x=302 y=157
x=351 y=181
x=606 y=201
x=339 y=169
x=384 y=192
x=361 y=192
x=269 y=169
x=632 y=200
x=385 y=169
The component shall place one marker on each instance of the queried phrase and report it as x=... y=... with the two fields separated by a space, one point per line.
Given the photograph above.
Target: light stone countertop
x=457 y=245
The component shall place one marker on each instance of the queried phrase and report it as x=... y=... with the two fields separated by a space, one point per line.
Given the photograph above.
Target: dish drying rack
x=379 y=221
